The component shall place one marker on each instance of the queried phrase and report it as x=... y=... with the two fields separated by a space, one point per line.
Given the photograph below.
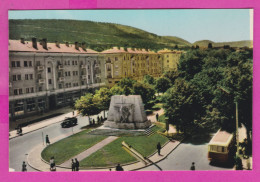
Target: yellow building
x=132 y=63
x=170 y=59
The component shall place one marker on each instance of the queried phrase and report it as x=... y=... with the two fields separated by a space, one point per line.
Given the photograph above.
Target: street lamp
x=237 y=135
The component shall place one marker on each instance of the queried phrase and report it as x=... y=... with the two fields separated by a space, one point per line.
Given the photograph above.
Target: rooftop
x=221 y=138
x=16 y=45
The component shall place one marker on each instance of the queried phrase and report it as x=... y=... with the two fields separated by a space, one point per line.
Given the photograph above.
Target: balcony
x=83 y=66
x=84 y=77
x=41 y=81
x=10 y=84
x=60 y=67
x=61 y=79
x=40 y=68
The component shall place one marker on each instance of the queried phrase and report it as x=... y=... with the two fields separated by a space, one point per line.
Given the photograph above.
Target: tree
x=162 y=84
x=146 y=91
x=103 y=97
x=149 y=79
x=181 y=106
x=87 y=106
x=126 y=84
x=171 y=75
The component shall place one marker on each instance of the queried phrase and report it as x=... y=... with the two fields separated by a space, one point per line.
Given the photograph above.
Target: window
x=68 y=73
x=49 y=81
x=72 y=62
x=49 y=69
x=68 y=62
x=14 y=77
x=59 y=74
x=60 y=86
x=30 y=63
x=18 y=64
x=13 y=64
x=40 y=89
x=76 y=62
x=20 y=91
x=31 y=76
x=39 y=76
x=116 y=58
x=38 y=63
x=32 y=90
x=19 y=77
x=27 y=90
x=25 y=64
x=88 y=76
x=26 y=77
x=15 y=91
x=30 y=104
x=82 y=83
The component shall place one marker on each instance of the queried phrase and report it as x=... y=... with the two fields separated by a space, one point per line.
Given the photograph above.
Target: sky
x=218 y=25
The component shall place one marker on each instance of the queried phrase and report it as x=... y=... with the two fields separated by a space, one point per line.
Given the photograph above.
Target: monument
x=127 y=112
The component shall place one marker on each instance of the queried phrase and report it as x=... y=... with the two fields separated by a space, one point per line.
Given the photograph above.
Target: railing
x=60 y=67
x=61 y=79
x=40 y=68
x=84 y=77
x=83 y=66
x=41 y=81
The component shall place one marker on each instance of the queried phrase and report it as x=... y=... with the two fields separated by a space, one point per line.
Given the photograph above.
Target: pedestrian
x=157 y=117
x=76 y=164
x=47 y=140
x=98 y=119
x=93 y=121
x=52 y=164
x=119 y=168
x=101 y=118
x=159 y=148
x=73 y=113
x=192 y=166
x=24 y=169
x=72 y=165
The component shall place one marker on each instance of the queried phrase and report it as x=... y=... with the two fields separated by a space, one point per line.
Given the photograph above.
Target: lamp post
x=237 y=135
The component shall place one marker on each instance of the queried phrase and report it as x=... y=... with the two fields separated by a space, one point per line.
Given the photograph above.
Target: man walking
x=72 y=165
x=24 y=169
x=192 y=166
x=157 y=117
x=47 y=140
x=76 y=164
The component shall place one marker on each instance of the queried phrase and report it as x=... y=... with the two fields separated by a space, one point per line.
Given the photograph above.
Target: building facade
x=132 y=63
x=44 y=76
x=170 y=59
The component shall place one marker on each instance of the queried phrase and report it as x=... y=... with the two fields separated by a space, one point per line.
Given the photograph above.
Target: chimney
x=34 y=43
x=22 y=41
x=67 y=44
x=77 y=45
x=57 y=44
x=44 y=44
x=83 y=45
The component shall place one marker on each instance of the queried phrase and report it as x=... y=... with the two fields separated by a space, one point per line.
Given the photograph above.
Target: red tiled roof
x=129 y=50
x=16 y=45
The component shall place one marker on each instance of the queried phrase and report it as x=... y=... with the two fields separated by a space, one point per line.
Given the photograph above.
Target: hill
x=98 y=36
x=243 y=43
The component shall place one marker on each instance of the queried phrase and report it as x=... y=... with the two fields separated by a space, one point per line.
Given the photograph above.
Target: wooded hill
x=98 y=36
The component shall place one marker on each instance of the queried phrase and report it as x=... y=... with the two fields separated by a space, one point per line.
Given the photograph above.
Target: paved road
x=182 y=157
x=20 y=146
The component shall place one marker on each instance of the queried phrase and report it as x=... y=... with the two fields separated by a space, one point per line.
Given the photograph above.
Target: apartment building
x=170 y=59
x=132 y=63
x=45 y=76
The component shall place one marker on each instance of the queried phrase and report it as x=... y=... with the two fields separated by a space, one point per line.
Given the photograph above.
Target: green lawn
x=66 y=148
x=113 y=153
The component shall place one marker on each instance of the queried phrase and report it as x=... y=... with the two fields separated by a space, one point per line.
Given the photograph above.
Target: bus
x=221 y=147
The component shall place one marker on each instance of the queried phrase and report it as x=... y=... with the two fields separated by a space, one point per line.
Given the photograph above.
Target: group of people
x=74 y=165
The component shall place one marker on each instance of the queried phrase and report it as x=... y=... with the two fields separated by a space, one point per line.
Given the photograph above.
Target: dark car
x=68 y=122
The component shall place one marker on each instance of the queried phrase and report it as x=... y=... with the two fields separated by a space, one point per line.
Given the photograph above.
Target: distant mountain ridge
x=242 y=43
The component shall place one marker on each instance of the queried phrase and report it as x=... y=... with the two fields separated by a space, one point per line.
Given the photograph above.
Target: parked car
x=68 y=122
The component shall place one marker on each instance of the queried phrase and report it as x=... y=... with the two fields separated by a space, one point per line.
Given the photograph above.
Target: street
x=182 y=157
x=20 y=146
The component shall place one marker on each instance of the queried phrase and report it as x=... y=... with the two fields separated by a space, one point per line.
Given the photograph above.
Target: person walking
x=119 y=168
x=76 y=164
x=159 y=148
x=52 y=164
x=192 y=166
x=24 y=169
x=72 y=165
x=47 y=140
x=157 y=117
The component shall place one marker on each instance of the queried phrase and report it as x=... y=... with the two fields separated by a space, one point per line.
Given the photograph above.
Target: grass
x=66 y=148
x=113 y=153
x=162 y=118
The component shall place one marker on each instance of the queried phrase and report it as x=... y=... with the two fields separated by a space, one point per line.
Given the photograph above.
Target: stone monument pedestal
x=127 y=112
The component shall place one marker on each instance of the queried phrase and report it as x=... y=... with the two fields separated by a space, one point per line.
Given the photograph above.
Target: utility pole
x=237 y=134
